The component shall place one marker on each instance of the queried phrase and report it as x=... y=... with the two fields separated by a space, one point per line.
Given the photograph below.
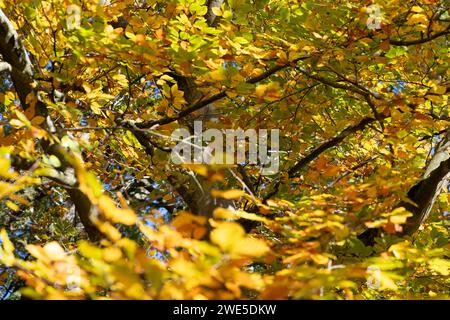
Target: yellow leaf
x=227 y=234
x=416 y=9
x=190 y=225
x=250 y=247
x=441 y=266
x=418 y=19
x=115 y=214
x=375 y=224
x=217 y=11
x=89 y=251
x=386 y=283
x=398 y=219
x=298 y=256
x=401 y=249
x=186 y=269
x=187 y=218
x=54 y=251
x=54 y=161
x=434 y=98
x=200 y=169
x=31 y=100
x=5 y=165
x=439 y=89
x=37 y=120
x=399 y=215
x=175 y=92
x=232 y=194
x=87 y=87
x=260 y=90
x=111 y=254
x=89 y=184
x=269 y=92
x=231 y=94
x=16 y=123
x=231 y=238
x=166 y=77
x=109 y=230
x=218 y=75
x=22 y=117
x=12 y=205
x=222 y=213
x=320 y=259
x=19 y=199
x=6 y=243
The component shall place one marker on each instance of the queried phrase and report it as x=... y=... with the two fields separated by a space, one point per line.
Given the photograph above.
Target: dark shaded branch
x=433 y=135
x=317 y=152
x=353 y=169
x=422 y=195
x=205 y=102
x=334 y=84
x=328 y=144
x=21 y=69
x=420 y=41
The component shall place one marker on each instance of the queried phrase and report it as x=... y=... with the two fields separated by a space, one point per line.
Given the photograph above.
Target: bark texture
x=423 y=194
x=15 y=55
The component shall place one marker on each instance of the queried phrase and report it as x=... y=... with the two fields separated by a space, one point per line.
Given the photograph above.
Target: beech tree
x=92 y=205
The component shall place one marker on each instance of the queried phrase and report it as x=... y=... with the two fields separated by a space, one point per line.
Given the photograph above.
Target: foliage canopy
x=90 y=92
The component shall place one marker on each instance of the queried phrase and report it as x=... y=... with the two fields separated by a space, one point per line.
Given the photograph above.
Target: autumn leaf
x=228 y=194
x=231 y=238
x=333 y=117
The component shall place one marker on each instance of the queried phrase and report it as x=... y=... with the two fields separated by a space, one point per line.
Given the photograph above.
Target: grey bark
x=211 y=18
x=15 y=55
x=195 y=190
x=423 y=194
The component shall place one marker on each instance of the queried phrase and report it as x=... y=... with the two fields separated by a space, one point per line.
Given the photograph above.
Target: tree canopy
x=92 y=206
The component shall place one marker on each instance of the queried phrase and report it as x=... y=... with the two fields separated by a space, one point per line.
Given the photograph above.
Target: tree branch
x=21 y=69
x=203 y=103
x=420 y=41
x=422 y=195
x=327 y=145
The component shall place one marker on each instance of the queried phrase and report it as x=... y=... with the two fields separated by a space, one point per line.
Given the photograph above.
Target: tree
x=94 y=206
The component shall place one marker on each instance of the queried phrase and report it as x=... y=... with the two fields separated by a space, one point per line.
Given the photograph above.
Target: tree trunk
x=423 y=194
